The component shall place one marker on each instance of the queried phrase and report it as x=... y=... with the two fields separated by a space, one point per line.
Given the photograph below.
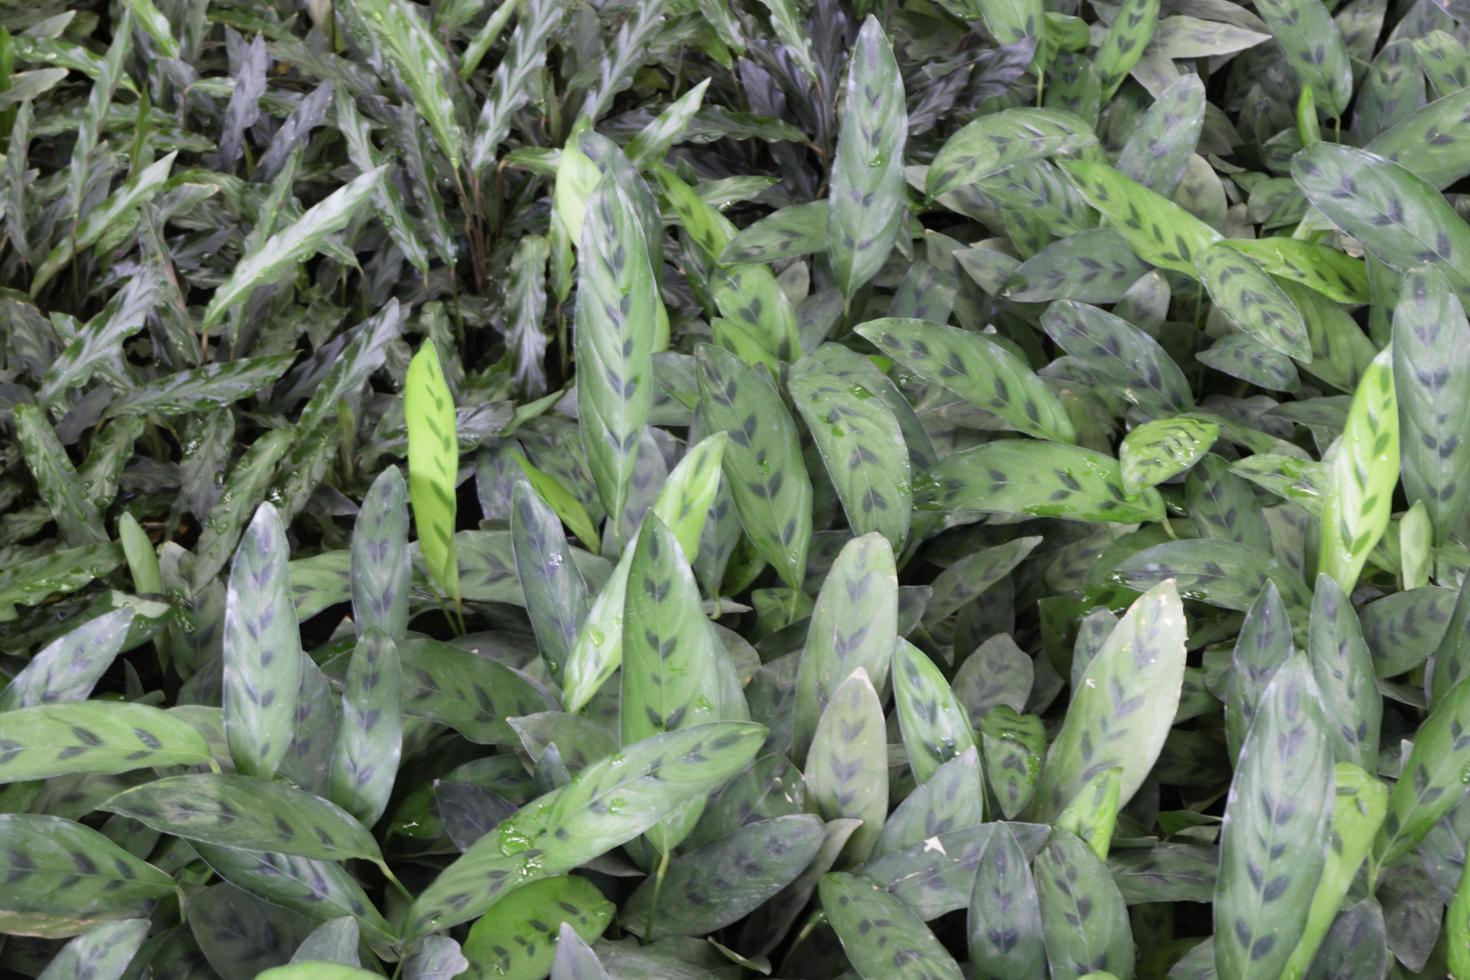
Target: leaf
x=862 y=446
x=379 y=563
x=1314 y=49
x=67 y=668
x=513 y=83
x=1241 y=356
x=64 y=878
x=866 y=200
x=1158 y=151
x=563 y=502
x=475 y=695
x=1005 y=915
x=57 y=480
x=262 y=650
x=52 y=740
x=433 y=465
x=1364 y=472
x=700 y=894
x=1083 y=919
x=247 y=812
x=1431 y=780
x=365 y=756
x=1399 y=218
x=934 y=724
x=762 y=460
x=422 y=64
x=974 y=575
x=1159 y=450
x=1159 y=231
x=950 y=799
x=1222 y=573
x=977 y=369
x=316 y=971
x=1116 y=351
x=556 y=595
x=1011 y=21
x=520 y=938
x=289 y=247
x=1273 y=840
x=880 y=936
x=1431 y=381
x=242 y=936
x=1122 y=711
x=199 y=390
x=1023 y=477
x=102 y=952
x=435 y=958
x=1015 y=748
x=574 y=824
x=853 y=625
x=795 y=230
x=614 y=340
x=1093 y=266
x=1127 y=38
x=575 y=959
x=1243 y=291
x=846 y=767
x=1343 y=669
x=993 y=143
x=1319 y=267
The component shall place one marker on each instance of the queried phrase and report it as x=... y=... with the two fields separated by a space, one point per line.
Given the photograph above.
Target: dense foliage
x=717 y=488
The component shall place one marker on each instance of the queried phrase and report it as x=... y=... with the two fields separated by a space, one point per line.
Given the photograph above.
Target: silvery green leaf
x=847 y=765
x=262 y=649
x=1094 y=266
x=1165 y=135
x=1083 y=919
x=243 y=936
x=512 y=84
x=1261 y=648
x=334 y=941
x=369 y=741
x=880 y=935
x=519 y=938
x=951 y=799
x=1004 y=917
x=60 y=486
x=995 y=142
x=867 y=206
x=70 y=666
x=1314 y=48
x=201 y=389
x=379 y=557
x=1344 y=672
x=101 y=953
x=101 y=737
x=422 y=64
x=934 y=724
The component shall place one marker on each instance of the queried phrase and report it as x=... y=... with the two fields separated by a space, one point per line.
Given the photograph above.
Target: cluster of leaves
x=716 y=488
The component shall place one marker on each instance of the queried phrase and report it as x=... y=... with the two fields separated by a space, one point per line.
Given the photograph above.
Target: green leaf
x=69 y=667
x=1159 y=148
x=1261 y=648
x=556 y=595
x=473 y=694
x=934 y=724
x=1011 y=21
x=1364 y=472
x=792 y=231
x=614 y=340
x=422 y=64
x=1093 y=812
x=514 y=81
x=46 y=894
x=262 y=650
x=867 y=206
x=1398 y=217
x=1252 y=301
x=993 y=143
x=1083 y=919
x=1159 y=450
x=1222 y=505
x=1343 y=669
x=1122 y=711
x=93 y=737
x=720 y=883
x=102 y=952
x=847 y=764
x=242 y=936
x=952 y=797
x=247 y=812
x=199 y=390
x=291 y=246
x=862 y=446
x=973 y=575
x=1015 y=748
x=1005 y=915
x=1431 y=780
x=607 y=804
x=1128 y=36
x=1319 y=267
x=520 y=938
x=57 y=480
x=1093 y=266
x=1158 y=230
x=1314 y=49
x=316 y=971
x=762 y=461
x=433 y=465
x=1118 y=353
x=365 y=757
x=1222 y=573
x=1023 y=477
x=978 y=369
x=380 y=566
x=853 y=625
x=1273 y=843
x=879 y=934
x=244 y=490
x=1431 y=380
x=1361 y=802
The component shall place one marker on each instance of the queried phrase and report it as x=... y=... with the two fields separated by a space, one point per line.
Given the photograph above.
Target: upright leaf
x=370 y=739
x=1343 y=669
x=422 y=64
x=262 y=649
x=433 y=465
x=1083 y=918
x=867 y=207
x=879 y=934
x=1364 y=472
x=934 y=724
x=379 y=562
x=1314 y=48
x=1005 y=915
x=847 y=766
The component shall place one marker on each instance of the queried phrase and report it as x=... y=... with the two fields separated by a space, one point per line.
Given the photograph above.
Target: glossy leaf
x=433 y=465
x=880 y=936
x=846 y=767
x=521 y=937
x=369 y=741
x=1364 y=472
x=93 y=737
x=1083 y=919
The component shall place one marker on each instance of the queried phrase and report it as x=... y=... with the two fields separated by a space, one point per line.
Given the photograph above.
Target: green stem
x=393 y=880
x=658 y=887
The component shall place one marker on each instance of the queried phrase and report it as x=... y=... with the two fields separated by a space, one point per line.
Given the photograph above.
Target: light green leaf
x=433 y=465
x=1363 y=474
